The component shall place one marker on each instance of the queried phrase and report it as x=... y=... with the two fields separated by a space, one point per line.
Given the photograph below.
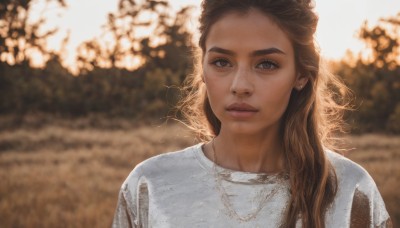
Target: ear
x=300 y=82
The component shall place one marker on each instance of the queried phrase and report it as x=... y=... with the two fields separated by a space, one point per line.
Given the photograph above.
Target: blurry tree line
x=375 y=79
x=135 y=68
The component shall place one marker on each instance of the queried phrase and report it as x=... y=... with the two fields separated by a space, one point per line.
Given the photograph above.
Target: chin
x=250 y=127
x=244 y=128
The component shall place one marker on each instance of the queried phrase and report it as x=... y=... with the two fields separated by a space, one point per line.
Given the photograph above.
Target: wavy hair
x=313 y=114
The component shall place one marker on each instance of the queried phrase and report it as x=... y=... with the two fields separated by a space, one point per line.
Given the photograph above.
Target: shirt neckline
x=235 y=175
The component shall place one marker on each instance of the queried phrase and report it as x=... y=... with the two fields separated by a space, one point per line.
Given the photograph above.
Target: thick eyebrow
x=261 y=52
x=221 y=50
x=268 y=52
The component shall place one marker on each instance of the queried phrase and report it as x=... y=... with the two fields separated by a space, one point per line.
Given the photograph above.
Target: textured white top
x=179 y=189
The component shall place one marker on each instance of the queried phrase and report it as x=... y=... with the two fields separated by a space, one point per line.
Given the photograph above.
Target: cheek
x=284 y=101
x=216 y=91
x=215 y=84
x=277 y=93
x=281 y=92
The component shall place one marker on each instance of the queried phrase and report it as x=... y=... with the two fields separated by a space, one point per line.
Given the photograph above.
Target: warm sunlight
x=341 y=20
x=90 y=90
x=339 y=23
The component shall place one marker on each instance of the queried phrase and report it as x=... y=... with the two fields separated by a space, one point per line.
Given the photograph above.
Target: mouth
x=241 y=107
x=241 y=110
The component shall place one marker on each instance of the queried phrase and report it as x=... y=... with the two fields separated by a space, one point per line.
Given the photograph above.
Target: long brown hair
x=313 y=113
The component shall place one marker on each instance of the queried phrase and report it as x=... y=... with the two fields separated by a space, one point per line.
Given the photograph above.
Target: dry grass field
x=68 y=173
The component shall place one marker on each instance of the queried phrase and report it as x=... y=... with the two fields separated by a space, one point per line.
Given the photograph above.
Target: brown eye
x=221 y=63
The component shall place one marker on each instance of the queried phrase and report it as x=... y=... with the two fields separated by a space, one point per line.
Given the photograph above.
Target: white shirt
x=179 y=189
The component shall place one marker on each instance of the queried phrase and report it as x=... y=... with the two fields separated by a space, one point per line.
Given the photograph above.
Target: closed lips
x=241 y=108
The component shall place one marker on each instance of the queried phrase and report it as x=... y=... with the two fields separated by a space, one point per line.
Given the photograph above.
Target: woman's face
x=249 y=72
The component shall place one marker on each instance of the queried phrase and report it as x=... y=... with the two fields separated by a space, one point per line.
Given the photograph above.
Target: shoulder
x=348 y=171
x=356 y=186
x=153 y=173
x=164 y=163
x=134 y=194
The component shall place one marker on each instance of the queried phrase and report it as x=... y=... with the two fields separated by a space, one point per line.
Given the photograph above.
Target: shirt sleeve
x=125 y=216
x=133 y=201
x=380 y=216
x=368 y=208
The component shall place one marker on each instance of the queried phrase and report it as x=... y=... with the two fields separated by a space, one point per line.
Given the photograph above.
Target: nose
x=241 y=83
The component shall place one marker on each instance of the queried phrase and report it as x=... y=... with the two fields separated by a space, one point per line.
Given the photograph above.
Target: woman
x=263 y=108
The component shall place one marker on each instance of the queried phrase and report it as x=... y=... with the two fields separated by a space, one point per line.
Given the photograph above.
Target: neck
x=251 y=153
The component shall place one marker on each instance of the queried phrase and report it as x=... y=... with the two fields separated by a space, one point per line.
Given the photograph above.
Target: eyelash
x=216 y=61
x=272 y=65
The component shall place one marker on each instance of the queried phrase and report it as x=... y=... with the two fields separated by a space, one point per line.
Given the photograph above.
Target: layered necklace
x=263 y=196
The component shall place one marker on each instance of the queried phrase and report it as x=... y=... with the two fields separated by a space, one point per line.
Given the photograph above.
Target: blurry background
x=86 y=89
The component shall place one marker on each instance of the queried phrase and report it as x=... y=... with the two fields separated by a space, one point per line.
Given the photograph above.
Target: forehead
x=249 y=31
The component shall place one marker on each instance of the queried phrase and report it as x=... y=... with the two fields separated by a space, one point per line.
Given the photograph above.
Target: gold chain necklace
x=228 y=204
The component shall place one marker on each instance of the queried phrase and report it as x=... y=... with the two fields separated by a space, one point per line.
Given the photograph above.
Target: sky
x=339 y=22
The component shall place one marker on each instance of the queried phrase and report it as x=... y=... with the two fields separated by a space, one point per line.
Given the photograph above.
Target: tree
x=376 y=81
x=19 y=34
x=384 y=46
x=160 y=43
x=141 y=32
x=108 y=82
x=120 y=42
